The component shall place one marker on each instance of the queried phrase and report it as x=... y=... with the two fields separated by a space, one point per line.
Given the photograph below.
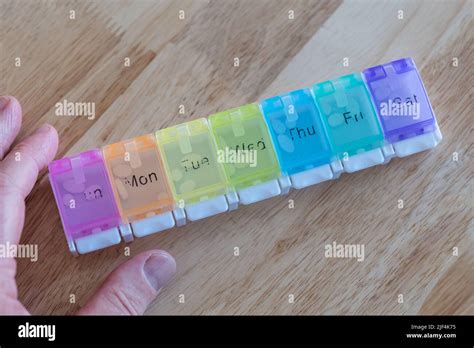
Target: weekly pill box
x=244 y=155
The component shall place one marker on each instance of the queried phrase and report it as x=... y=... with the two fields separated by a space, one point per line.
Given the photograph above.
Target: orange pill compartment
x=136 y=171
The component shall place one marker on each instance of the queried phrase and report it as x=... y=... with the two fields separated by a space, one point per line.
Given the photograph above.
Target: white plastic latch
x=209 y=207
x=417 y=144
x=259 y=192
x=99 y=240
x=153 y=224
x=311 y=176
x=363 y=160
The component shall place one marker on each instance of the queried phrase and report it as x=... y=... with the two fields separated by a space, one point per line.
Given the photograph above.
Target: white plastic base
x=259 y=192
x=417 y=144
x=98 y=241
x=153 y=224
x=206 y=208
x=363 y=160
x=253 y=194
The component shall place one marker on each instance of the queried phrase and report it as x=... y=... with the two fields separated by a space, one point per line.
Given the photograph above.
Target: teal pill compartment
x=348 y=115
x=297 y=131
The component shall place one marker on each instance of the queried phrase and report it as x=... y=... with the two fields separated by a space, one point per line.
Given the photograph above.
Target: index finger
x=18 y=174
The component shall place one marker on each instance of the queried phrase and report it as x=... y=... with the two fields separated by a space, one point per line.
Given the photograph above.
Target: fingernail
x=159 y=268
x=43 y=129
x=4 y=102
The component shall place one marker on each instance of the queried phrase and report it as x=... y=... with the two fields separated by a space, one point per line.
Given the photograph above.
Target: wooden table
x=190 y=62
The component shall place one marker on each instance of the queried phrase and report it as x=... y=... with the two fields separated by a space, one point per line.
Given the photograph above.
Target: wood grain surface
x=190 y=62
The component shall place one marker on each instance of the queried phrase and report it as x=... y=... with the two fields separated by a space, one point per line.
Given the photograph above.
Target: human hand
x=128 y=290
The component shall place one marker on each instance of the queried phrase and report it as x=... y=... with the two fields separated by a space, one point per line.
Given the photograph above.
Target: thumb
x=130 y=288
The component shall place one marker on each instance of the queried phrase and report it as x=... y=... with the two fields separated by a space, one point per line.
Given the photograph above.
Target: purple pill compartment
x=83 y=194
x=400 y=99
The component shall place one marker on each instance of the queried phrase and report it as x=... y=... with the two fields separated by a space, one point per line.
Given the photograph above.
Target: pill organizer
x=244 y=155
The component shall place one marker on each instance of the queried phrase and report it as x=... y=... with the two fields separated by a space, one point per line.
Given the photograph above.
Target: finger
x=131 y=287
x=18 y=173
x=10 y=122
x=9 y=303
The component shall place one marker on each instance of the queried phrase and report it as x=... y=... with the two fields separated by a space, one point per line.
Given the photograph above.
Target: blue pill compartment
x=297 y=131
